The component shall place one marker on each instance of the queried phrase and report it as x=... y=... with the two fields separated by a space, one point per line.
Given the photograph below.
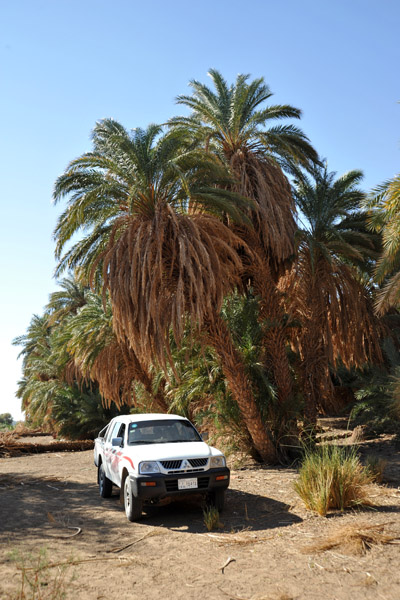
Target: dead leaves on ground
x=354 y=539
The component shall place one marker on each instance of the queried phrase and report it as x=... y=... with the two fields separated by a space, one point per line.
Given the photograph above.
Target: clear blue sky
x=66 y=63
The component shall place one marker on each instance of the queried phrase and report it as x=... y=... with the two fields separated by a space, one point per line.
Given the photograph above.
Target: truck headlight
x=217 y=462
x=148 y=467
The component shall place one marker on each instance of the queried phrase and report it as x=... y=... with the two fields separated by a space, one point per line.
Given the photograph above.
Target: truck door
x=110 y=451
x=114 y=453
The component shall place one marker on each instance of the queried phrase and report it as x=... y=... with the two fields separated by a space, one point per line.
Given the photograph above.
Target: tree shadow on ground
x=388 y=451
x=242 y=511
x=48 y=508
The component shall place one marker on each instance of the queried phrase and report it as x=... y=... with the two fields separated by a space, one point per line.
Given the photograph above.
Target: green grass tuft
x=332 y=477
x=211 y=518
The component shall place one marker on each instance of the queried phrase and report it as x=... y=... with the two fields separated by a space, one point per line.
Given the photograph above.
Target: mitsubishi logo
x=185 y=465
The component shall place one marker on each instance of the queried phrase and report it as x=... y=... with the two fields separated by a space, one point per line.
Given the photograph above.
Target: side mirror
x=204 y=436
x=116 y=441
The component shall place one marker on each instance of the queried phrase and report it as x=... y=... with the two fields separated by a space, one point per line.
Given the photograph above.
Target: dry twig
x=227 y=562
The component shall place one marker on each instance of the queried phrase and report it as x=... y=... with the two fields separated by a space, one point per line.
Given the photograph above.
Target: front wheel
x=217 y=499
x=133 y=505
x=105 y=484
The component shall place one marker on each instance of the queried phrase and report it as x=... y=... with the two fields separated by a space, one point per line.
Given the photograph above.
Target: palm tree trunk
x=218 y=337
x=272 y=318
x=317 y=383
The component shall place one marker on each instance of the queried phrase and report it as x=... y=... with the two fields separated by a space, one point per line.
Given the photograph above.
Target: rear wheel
x=133 y=505
x=105 y=484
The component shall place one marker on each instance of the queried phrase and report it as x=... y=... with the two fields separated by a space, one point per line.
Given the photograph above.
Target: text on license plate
x=187 y=484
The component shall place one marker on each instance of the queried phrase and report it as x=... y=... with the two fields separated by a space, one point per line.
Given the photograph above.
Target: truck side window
x=121 y=433
x=113 y=431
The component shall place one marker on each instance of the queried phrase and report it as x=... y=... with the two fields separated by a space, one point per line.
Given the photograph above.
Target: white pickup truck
x=155 y=456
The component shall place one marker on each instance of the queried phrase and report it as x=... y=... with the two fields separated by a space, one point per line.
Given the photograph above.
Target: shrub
x=332 y=477
x=39 y=580
x=211 y=518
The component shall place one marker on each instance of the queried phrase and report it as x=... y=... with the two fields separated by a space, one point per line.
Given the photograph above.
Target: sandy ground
x=266 y=537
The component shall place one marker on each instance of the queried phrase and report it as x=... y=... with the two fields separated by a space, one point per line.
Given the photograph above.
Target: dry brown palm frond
x=333 y=302
x=389 y=296
x=116 y=369
x=336 y=321
x=161 y=270
x=271 y=240
x=354 y=539
x=73 y=372
x=263 y=181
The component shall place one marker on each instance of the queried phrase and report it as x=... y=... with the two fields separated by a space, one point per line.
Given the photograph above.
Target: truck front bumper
x=157 y=486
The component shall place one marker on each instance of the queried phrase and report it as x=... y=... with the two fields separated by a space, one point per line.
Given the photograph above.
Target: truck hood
x=172 y=451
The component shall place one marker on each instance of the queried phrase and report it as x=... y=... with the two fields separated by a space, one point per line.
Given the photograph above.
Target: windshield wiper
x=182 y=441
x=138 y=442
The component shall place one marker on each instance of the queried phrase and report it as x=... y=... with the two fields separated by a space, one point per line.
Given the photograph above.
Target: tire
x=105 y=484
x=217 y=499
x=133 y=505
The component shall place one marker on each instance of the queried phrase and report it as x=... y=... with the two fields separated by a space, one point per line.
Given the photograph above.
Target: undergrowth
x=40 y=580
x=211 y=518
x=332 y=477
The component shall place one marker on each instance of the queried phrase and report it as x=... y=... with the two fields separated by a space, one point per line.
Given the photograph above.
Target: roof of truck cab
x=147 y=417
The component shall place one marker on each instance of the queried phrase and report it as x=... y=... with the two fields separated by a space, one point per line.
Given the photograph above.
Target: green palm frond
x=233 y=118
x=383 y=205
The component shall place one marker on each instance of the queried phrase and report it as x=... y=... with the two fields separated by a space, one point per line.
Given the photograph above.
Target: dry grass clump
x=22 y=428
x=211 y=518
x=7 y=437
x=354 y=539
x=332 y=477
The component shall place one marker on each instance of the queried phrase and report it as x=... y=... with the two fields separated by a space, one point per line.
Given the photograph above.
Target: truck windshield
x=162 y=432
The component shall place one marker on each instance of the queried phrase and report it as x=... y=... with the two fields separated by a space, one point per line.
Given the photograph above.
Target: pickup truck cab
x=155 y=456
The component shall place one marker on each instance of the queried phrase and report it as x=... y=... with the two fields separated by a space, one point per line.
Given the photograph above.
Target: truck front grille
x=171 y=464
x=198 y=462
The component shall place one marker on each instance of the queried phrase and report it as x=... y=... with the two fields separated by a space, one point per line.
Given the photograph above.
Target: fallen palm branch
x=33 y=433
x=10 y=448
x=120 y=549
x=229 y=539
x=354 y=539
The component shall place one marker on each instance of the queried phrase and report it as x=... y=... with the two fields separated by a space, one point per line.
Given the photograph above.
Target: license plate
x=187 y=484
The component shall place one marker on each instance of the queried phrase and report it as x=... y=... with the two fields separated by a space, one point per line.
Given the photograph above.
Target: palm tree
x=100 y=357
x=86 y=339
x=55 y=390
x=40 y=374
x=67 y=300
x=384 y=206
x=200 y=388
x=154 y=240
x=324 y=290
x=232 y=123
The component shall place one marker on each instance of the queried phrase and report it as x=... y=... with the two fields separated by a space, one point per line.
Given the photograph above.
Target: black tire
x=133 y=505
x=105 y=484
x=217 y=499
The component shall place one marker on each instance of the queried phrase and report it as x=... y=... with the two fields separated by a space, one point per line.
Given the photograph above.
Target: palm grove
x=221 y=272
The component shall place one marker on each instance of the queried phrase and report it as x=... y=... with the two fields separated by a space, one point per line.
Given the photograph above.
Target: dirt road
x=50 y=503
